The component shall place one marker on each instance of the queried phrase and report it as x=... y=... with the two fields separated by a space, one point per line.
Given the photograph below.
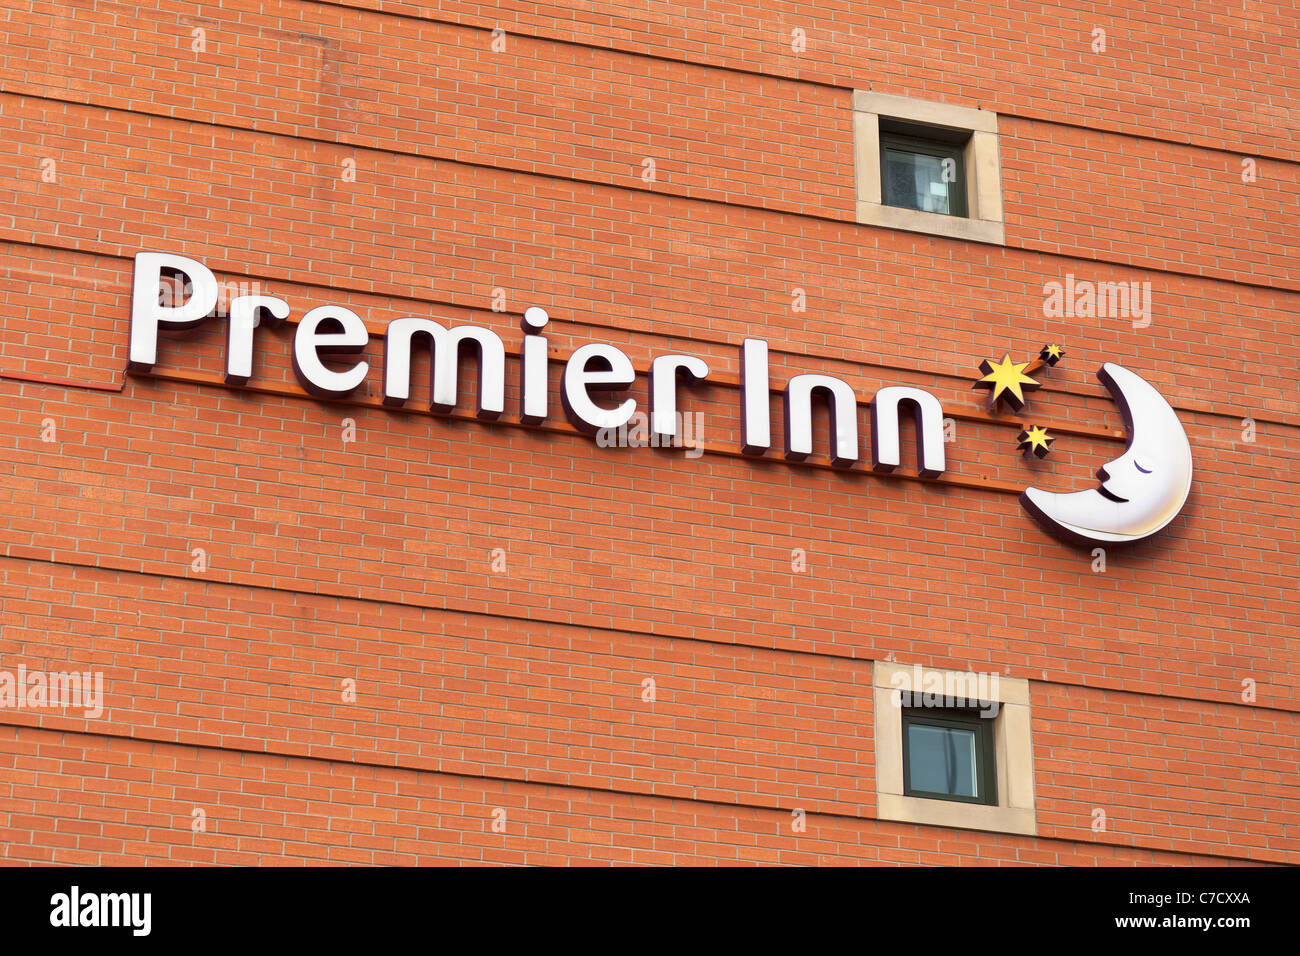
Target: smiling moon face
x=1142 y=490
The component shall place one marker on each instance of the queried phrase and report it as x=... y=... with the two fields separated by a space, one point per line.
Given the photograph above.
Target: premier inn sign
x=1141 y=491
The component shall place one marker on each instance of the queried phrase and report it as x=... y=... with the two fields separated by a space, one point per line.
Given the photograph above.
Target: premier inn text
x=329 y=339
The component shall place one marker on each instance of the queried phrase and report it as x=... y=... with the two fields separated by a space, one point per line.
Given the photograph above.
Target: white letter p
x=148 y=313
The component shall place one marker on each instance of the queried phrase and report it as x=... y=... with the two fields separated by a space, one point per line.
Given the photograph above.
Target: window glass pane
x=915 y=181
x=941 y=760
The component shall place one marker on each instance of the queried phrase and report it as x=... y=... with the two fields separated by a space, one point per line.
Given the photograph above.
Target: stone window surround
x=1014 y=812
x=984 y=222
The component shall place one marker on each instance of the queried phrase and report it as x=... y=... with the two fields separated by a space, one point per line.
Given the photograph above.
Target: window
x=953 y=748
x=948 y=754
x=927 y=167
x=922 y=174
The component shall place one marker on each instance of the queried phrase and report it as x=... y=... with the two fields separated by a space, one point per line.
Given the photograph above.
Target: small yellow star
x=1007 y=381
x=1051 y=354
x=1035 y=440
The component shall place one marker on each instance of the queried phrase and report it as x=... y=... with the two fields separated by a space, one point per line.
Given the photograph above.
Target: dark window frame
x=957 y=205
x=986 y=769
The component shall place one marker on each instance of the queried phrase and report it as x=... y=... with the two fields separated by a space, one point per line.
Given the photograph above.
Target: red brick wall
x=731 y=136
x=523 y=690
x=93 y=799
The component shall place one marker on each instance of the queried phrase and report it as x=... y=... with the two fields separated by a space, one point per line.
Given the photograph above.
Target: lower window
x=948 y=754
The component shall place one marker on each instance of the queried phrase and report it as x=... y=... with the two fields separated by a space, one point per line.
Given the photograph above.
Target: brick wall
x=515 y=178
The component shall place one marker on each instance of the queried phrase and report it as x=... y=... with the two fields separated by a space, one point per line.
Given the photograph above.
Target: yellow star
x=1051 y=354
x=1035 y=440
x=1007 y=381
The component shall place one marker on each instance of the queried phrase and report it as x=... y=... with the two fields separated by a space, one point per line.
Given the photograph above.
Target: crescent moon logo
x=1142 y=490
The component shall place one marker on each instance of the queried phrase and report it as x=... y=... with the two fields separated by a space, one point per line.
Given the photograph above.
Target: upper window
x=927 y=167
x=948 y=754
x=923 y=173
